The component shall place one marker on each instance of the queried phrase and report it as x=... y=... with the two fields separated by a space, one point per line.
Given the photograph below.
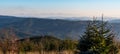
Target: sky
x=62 y=8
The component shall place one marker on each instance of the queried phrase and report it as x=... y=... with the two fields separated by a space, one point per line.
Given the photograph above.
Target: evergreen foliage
x=97 y=39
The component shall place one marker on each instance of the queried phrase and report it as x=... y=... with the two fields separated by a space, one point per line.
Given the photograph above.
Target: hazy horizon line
x=54 y=16
x=106 y=18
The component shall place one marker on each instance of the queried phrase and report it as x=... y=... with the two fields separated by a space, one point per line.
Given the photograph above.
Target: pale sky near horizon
x=63 y=8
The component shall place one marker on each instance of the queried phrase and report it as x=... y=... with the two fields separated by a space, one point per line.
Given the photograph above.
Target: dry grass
x=51 y=52
x=44 y=52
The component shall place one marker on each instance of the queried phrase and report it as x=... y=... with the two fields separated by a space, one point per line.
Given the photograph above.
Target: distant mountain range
x=61 y=28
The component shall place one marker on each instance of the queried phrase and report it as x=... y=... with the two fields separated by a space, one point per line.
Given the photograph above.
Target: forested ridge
x=25 y=37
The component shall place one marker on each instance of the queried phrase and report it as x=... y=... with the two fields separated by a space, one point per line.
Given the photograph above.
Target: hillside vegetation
x=29 y=36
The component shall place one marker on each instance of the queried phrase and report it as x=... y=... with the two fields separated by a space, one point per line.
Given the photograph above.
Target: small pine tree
x=97 y=39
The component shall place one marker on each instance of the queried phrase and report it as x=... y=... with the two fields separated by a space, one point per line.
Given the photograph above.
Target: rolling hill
x=31 y=26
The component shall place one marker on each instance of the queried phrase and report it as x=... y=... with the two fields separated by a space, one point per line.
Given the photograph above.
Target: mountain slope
x=39 y=26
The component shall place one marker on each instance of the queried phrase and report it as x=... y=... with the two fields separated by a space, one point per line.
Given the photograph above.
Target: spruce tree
x=97 y=39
